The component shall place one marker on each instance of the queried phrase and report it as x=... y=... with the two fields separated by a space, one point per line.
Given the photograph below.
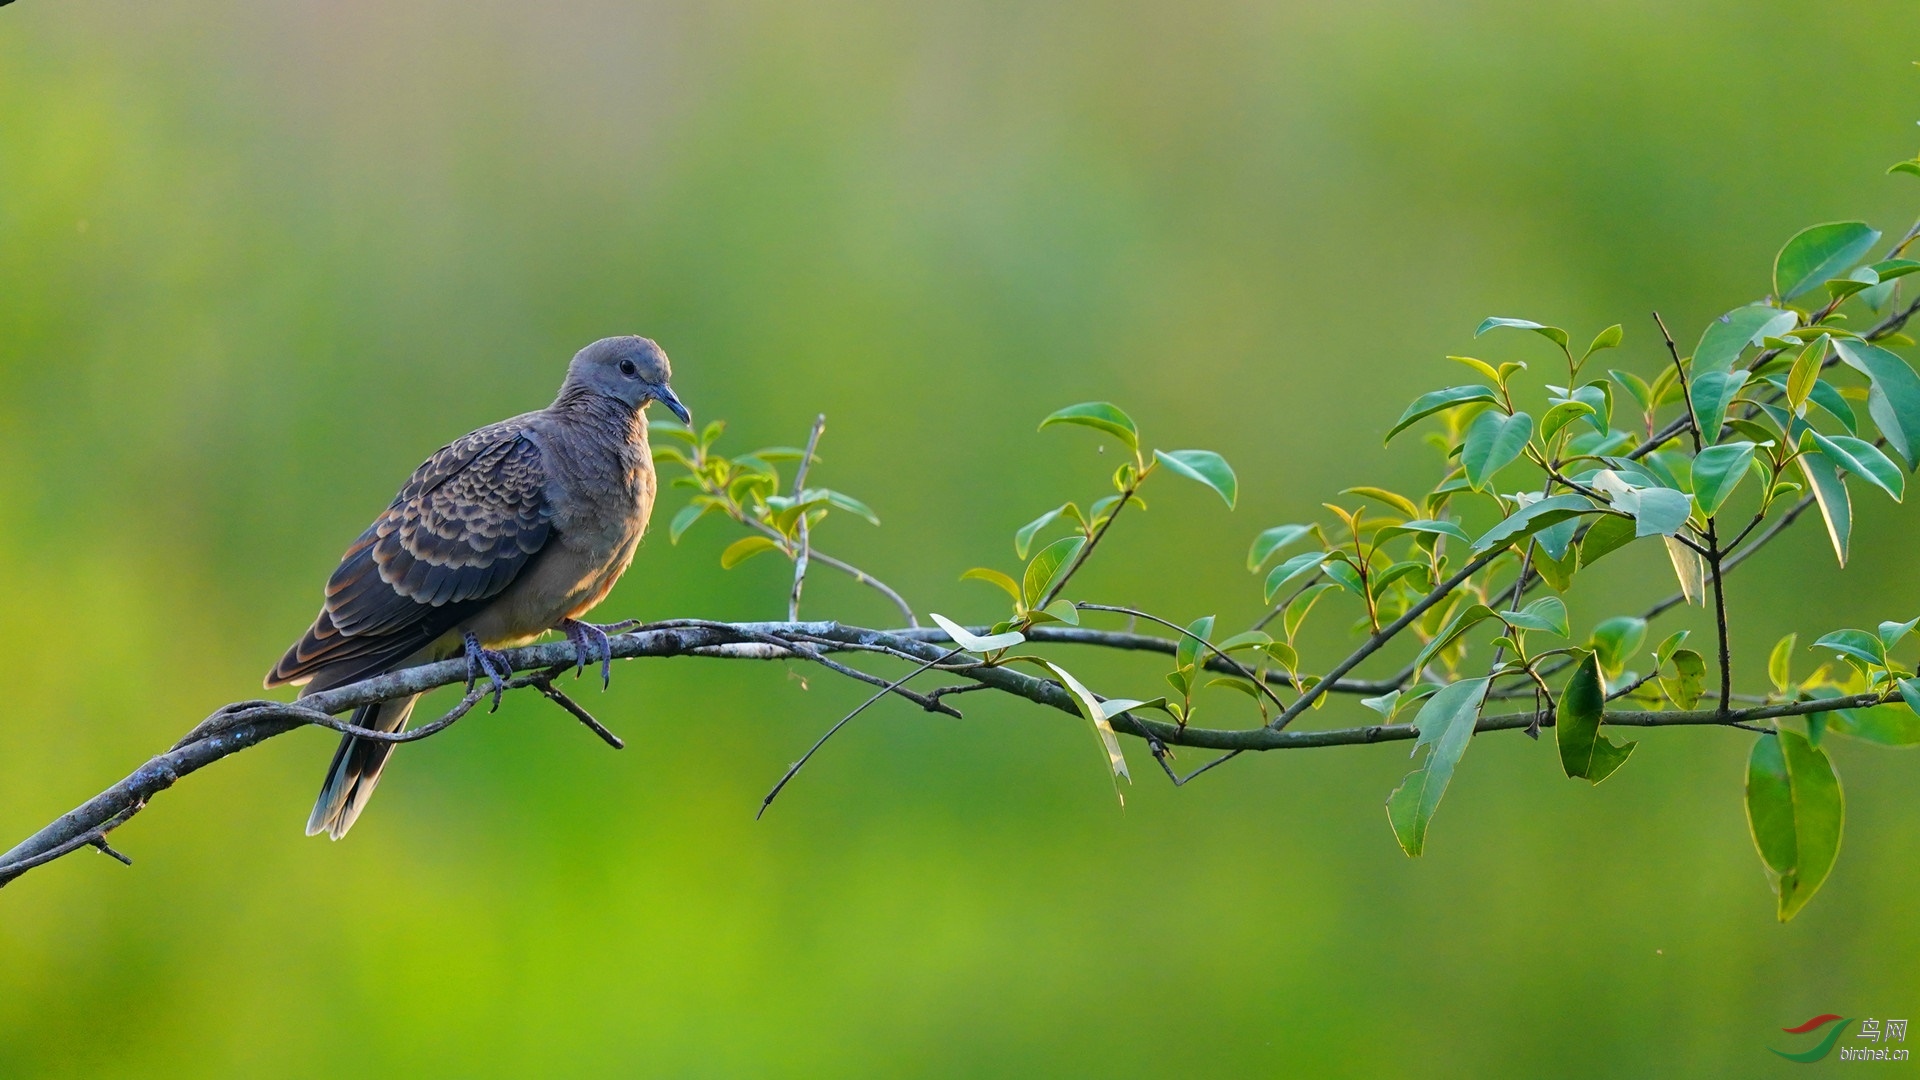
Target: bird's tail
x=356 y=768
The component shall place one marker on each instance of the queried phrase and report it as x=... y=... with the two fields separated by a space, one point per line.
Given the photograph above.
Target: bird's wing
x=465 y=525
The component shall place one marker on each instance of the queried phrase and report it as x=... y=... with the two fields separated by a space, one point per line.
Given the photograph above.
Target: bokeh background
x=257 y=259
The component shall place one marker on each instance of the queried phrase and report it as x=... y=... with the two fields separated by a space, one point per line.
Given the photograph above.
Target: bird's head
x=631 y=370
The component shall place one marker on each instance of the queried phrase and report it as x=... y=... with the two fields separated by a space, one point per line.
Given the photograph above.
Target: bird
x=506 y=533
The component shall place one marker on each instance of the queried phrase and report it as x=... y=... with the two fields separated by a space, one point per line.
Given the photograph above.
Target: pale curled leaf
x=974 y=643
x=1095 y=711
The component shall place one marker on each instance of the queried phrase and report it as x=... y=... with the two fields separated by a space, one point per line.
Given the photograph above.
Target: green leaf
x=1806 y=372
x=1894 y=402
x=1889 y=269
x=1430 y=527
x=1563 y=414
x=1862 y=646
x=1616 y=640
x=1101 y=416
x=1585 y=753
x=1884 y=725
x=1557 y=573
x=1712 y=393
x=783 y=453
x=1551 y=333
x=1533 y=517
x=1598 y=395
x=1890 y=633
x=851 y=505
x=1609 y=533
x=1780 y=663
x=1550 y=613
x=1346 y=575
x=1446 y=727
x=1864 y=460
x=1385 y=704
x=1060 y=611
x=1206 y=467
x=1717 y=471
x=1494 y=440
x=1795 y=811
x=1912 y=167
x=1398 y=502
x=1605 y=339
x=1023 y=538
x=1820 y=252
x=746 y=548
x=1048 y=567
x=1672 y=642
x=1271 y=541
x=1299 y=607
x=689 y=514
x=972 y=642
x=1297 y=567
x=672 y=428
x=1186 y=654
x=1830 y=494
x=1439 y=400
x=996 y=578
x=1465 y=620
x=1521 y=620
x=1249 y=639
x=1635 y=385
x=1283 y=654
x=1726 y=336
x=1382 y=579
x=1235 y=682
x=1684 y=685
x=1841 y=288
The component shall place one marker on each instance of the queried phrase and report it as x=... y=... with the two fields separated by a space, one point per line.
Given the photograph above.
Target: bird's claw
x=484 y=661
x=590 y=644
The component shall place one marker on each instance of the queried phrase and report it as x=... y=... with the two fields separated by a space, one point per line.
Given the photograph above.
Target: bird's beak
x=664 y=395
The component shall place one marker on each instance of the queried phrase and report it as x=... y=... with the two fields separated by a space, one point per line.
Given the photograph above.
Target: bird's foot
x=484 y=661
x=590 y=644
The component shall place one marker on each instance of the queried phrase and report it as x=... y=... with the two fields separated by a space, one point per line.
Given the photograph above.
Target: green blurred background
x=256 y=260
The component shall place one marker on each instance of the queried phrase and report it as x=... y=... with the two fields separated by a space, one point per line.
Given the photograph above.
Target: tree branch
x=245 y=724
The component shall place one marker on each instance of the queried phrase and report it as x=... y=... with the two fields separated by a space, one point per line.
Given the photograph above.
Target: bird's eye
x=627 y=368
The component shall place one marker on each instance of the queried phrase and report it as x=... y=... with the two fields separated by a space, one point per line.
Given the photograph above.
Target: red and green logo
x=1825 y=1045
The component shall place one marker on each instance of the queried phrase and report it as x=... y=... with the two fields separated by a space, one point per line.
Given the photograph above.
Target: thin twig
x=1086 y=549
x=579 y=712
x=806 y=546
x=794 y=769
x=1382 y=636
x=1237 y=667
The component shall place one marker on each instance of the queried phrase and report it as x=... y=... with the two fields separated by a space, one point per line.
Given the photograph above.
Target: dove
x=507 y=533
